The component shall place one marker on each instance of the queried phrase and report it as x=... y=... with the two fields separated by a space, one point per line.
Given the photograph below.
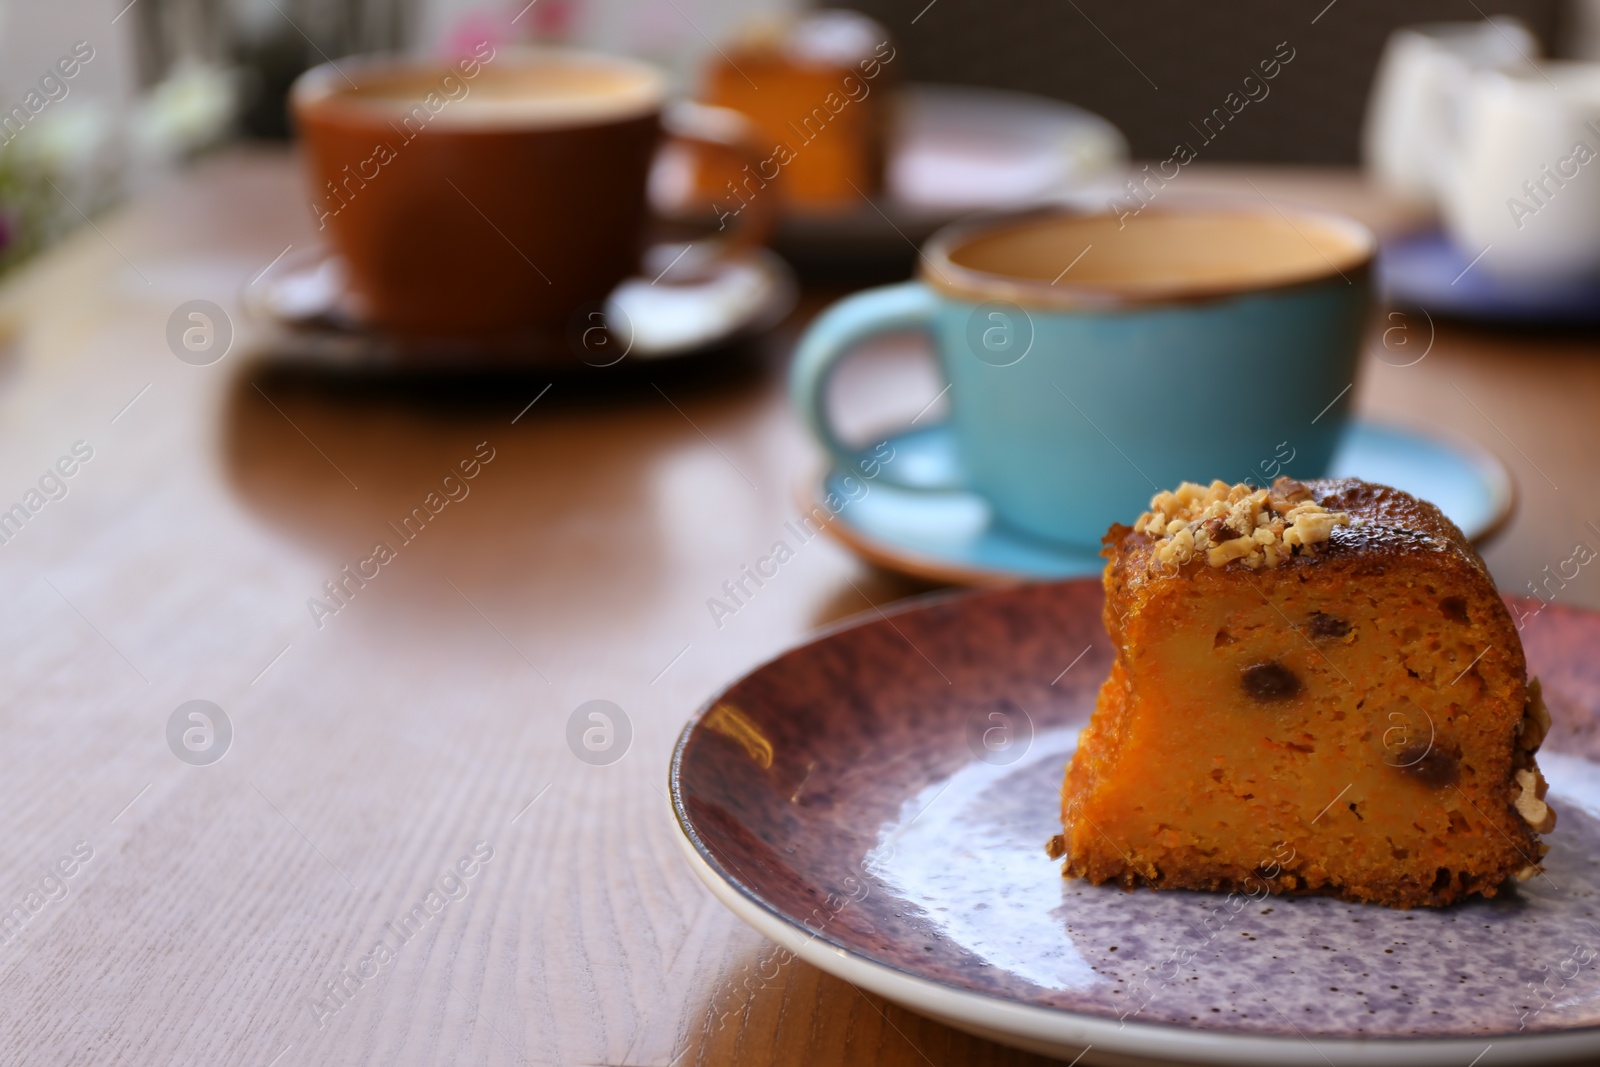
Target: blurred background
x=643 y=472
x=171 y=78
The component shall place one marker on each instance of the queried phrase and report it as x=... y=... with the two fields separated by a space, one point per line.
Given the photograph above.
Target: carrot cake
x=1316 y=689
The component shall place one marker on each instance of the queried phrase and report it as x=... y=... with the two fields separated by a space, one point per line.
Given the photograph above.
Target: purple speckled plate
x=877 y=803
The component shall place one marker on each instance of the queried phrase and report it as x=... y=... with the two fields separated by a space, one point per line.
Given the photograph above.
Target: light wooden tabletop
x=416 y=741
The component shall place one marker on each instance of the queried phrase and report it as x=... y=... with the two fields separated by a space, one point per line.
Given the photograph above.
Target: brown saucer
x=303 y=302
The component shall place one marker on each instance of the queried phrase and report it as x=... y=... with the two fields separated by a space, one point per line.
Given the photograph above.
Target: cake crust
x=1353 y=719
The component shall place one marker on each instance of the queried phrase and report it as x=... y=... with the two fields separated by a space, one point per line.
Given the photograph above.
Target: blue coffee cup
x=1094 y=360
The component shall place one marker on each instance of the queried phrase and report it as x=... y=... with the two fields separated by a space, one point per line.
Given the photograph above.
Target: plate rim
x=256 y=303
x=1406 y=294
x=1496 y=474
x=1042 y=1029
x=910 y=562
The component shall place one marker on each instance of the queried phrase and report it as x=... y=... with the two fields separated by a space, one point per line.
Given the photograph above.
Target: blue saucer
x=1427 y=270
x=953 y=537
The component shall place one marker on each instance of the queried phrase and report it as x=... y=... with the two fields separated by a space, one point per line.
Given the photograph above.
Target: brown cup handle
x=723 y=131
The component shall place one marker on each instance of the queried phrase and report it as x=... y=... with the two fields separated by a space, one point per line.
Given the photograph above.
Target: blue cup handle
x=833 y=336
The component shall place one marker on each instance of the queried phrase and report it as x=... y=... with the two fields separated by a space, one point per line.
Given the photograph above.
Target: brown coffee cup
x=498 y=195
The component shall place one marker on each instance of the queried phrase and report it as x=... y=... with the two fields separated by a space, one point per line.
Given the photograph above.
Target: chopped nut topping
x=1293 y=491
x=1540 y=817
x=1260 y=527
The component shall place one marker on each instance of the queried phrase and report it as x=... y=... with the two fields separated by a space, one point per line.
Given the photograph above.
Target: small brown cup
x=495 y=196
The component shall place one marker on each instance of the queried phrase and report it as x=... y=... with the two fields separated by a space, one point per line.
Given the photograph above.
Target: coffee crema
x=1171 y=254
x=521 y=89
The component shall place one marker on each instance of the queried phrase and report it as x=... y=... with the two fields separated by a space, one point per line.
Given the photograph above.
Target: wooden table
x=373 y=753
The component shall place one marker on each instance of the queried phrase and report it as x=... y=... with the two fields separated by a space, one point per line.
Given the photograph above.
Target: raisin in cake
x=1318 y=671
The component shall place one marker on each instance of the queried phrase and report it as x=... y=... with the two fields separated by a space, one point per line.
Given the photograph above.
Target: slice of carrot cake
x=1316 y=689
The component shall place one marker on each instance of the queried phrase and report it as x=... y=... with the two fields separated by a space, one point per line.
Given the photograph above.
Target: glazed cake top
x=1289 y=523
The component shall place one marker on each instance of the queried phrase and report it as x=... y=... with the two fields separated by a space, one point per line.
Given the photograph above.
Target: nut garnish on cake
x=1320 y=670
x=1222 y=522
